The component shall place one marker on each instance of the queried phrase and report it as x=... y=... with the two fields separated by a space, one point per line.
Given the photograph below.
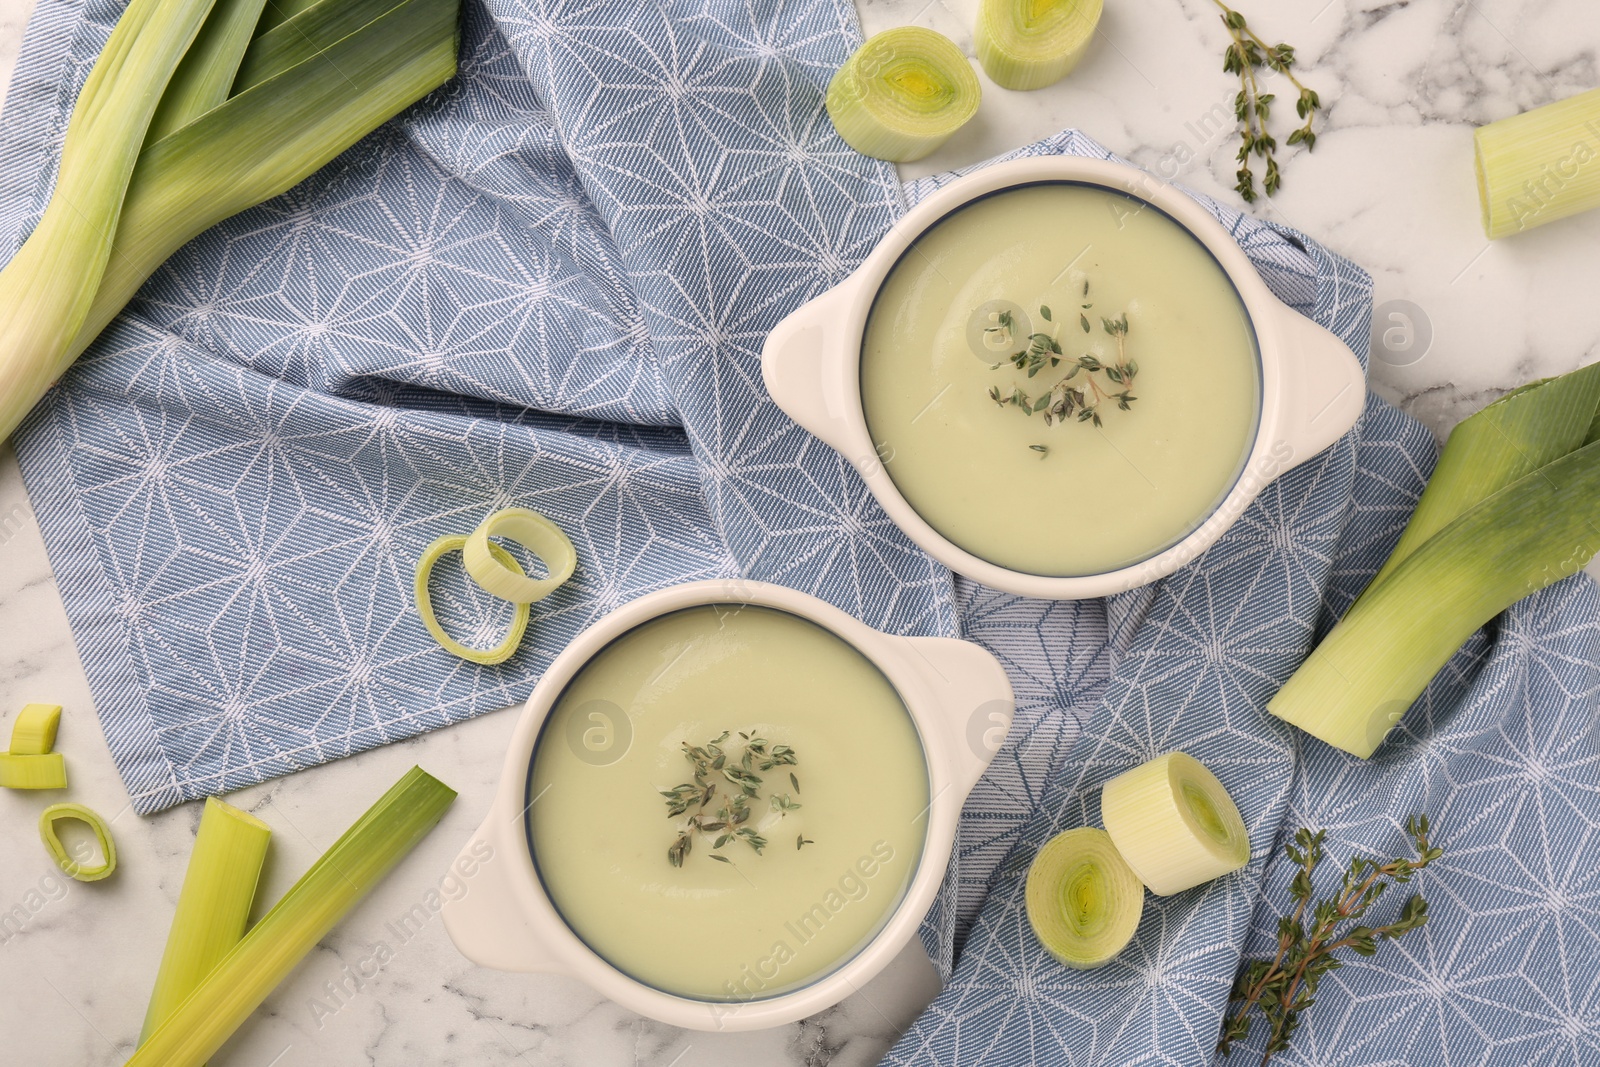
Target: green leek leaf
x=48 y=288
x=270 y=137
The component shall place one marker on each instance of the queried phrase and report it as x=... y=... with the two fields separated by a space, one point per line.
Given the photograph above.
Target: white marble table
x=1390 y=186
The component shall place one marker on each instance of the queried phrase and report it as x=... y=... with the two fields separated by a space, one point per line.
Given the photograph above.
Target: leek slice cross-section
x=1082 y=899
x=486 y=657
x=902 y=94
x=1174 y=823
x=535 y=533
x=1028 y=44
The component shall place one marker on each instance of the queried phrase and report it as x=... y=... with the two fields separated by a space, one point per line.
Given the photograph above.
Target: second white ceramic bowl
x=496 y=908
x=1312 y=386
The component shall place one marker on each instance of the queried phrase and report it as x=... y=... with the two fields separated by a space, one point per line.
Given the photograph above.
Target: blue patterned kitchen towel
x=548 y=285
x=1502 y=752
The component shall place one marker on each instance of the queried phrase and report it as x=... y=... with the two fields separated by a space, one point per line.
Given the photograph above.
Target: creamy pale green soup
x=765 y=923
x=1072 y=498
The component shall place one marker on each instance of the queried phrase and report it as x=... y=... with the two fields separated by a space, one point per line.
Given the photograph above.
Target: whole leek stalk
x=249 y=112
x=49 y=285
x=335 y=884
x=275 y=133
x=1513 y=436
x=1538 y=529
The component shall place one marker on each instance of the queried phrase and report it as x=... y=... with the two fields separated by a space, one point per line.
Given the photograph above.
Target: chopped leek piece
x=902 y=94
x=535 y=533
x=213 y=907
x=1028 y=44
x=1537 y=167
x=1487 y=451
x=334 y=885
x=47 y=288
x=1083 y=900
x=42 y=771
x=34 y=732
x=1375 y=663
x=270 y=137
x=486 y=657
x=102 y=834
x=1174 y=823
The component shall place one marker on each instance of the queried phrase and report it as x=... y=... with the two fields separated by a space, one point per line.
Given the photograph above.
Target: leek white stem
x=1539 y=166
x=1375 y=663
x=47 y=289
x=213 y=906
x=334 y=885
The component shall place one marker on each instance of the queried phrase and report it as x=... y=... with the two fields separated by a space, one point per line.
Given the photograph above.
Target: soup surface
x=838 y=851
x=1078 y=441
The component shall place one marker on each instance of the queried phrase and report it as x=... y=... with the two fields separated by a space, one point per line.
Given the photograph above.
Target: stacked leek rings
x=496 y=572
x=1170 y=825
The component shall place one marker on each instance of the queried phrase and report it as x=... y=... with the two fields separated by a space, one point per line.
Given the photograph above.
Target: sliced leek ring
x=486 y=657
x=47 y=770
x=1083 y=901
x=102 y=834
x=902 y=94
x=498 y=574
x=1028 y=44
x=1174 y=823
x=34 y=732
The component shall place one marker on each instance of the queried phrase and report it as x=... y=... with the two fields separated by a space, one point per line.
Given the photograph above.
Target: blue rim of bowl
x=846 y=957
x=1255 y=337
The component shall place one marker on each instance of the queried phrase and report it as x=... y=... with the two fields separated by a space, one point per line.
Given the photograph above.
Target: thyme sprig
x=1308 y=937
x=1064 y=400
x=718 y=801
x=1247 y=54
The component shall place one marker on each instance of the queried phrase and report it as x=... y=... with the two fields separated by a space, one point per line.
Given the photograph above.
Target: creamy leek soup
x=1060 y=379
x=836 y=802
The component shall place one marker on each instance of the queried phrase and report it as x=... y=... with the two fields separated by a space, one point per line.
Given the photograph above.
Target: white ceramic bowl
x=1312 y=386
x=497 y=911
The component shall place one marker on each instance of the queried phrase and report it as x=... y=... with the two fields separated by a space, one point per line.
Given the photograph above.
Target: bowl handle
x=485 y=920
x=974 y=697
x=798 y=364
x=1322 y=389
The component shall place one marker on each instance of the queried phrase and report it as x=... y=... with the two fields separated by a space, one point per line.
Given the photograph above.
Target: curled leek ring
x=498 y=574
x=1083 y=902
x=58 y=851
x=519 y=621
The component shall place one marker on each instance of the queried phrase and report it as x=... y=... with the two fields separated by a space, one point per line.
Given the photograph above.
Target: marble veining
x=1390 y=185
